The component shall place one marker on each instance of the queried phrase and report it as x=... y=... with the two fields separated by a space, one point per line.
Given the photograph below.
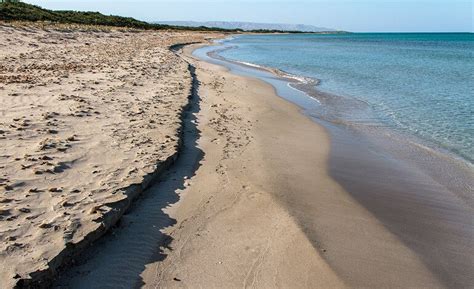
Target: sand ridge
x=86 y=118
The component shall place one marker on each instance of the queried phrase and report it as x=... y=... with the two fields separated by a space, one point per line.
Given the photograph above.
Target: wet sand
x=424 y=216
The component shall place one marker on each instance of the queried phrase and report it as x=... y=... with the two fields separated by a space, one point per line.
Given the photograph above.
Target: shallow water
x=360 y=124
x=421 y=84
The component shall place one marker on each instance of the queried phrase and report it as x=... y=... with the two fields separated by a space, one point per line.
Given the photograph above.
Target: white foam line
x=284 y=74
x=307 y=95
x=301 y=79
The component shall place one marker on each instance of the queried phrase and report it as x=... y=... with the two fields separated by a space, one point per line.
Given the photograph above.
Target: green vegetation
x=11 y=10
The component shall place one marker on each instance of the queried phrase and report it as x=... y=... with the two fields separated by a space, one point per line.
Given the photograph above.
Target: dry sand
x=88 y=117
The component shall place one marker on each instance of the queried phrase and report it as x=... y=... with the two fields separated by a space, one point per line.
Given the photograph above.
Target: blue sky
x=350 y=15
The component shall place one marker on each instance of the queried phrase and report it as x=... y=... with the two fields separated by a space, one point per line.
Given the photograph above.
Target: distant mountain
x=249 y=26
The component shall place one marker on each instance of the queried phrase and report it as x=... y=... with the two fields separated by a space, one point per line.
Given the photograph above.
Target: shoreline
x=424 y=154
x=415 y=189
x=309 y=85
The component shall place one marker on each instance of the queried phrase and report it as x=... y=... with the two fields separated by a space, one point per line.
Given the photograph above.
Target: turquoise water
x=418 y=83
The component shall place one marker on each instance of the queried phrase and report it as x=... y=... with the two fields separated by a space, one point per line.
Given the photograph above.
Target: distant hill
x=249 y=26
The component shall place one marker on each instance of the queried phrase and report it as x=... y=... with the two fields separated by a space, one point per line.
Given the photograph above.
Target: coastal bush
x=11 y=10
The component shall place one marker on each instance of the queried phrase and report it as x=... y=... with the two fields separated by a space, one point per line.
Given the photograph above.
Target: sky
x=348 y=15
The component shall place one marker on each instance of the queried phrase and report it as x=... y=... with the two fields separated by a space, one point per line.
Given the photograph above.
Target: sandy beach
x=89 y=117
x=252 y=193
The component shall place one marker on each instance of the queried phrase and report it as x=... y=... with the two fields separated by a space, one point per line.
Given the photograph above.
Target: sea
x=417 y=84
